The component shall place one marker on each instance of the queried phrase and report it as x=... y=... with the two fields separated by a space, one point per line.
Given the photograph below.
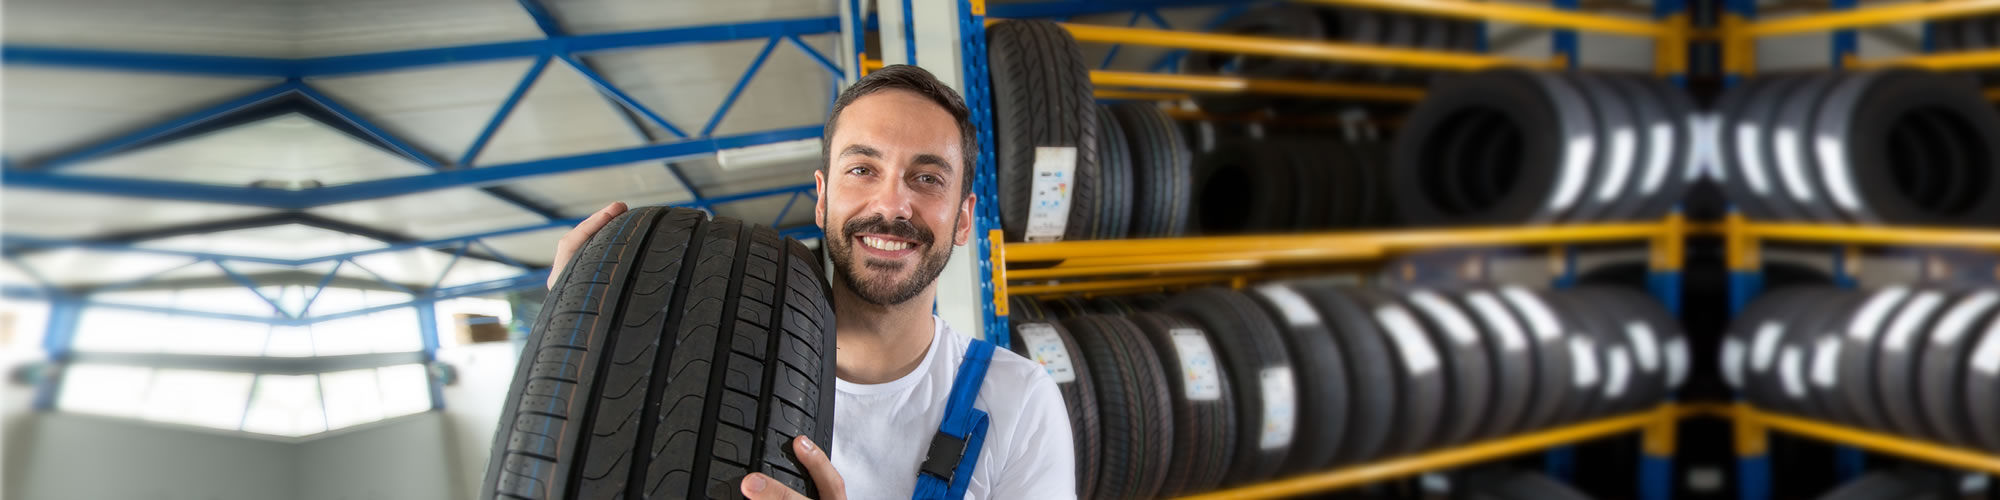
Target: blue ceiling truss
x=293 y=93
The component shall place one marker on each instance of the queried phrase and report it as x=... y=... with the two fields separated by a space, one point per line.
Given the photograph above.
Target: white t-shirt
x=881 y=431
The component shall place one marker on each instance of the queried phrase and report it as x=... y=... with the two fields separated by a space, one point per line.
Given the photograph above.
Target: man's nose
x=892 y=201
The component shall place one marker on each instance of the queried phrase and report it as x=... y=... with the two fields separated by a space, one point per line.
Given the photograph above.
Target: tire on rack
x=1466 y=361
x=1423 y=380
x=1789 y=150
x=1374 y=366
x=1857 y=356
x=1760 y=115
x=1582 y=353
x=1982 y=381
x=1204 y=404
x=1616 y=395
x=1826 y=395
x=1940 y=383
x=1244 y=187
x=1736 y=136
x=1863 y=115
x=656 y=292
x=1049 y=344
x=1671 y=144
x=1135 y=410
x=1554 y=381
x=1041 y=99
x=1541 y=184
x=1323 y=394
x=1114 y=179
x=1896 y=361
x=1760 y=335
x=1162 y=171
x=1262 y=371
x=1510 y=350
x=1610 y=194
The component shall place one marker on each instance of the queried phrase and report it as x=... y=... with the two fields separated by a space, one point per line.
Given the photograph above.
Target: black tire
x=1760 y=335
x=1041 y=98
x=1065 y=308
x=1244 y=187
x=741 y=303
x=1737 y=138
x=1423 y=380
x=1537 y=185
x=1616 y=395
x=1049 y=344
x=1510 y=349
x=1554 y=381
x=1612 y=192
x=1941 y=381
x=1162 y=171
x=1762 y=113
x=1114 y=179
x=1896 y=361
x=1584 y=355
x=1819 y=344
x=1982 y=381
x=1866 y=110
x=1465 y=359
x=1324 y=381
x=1669 y=173
x=1022 y=308
x=1264 y=433
x=1857 y=356
x=1373 y=398
x=1204 y=411
x=1137 y=414
x=1790 y=149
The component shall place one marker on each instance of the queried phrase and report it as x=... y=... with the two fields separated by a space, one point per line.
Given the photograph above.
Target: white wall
x=401 y=458
x=472 y=407
x=68 y=457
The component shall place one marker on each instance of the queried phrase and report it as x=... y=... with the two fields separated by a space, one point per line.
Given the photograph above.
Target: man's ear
x=819 y=202
x=966 y=211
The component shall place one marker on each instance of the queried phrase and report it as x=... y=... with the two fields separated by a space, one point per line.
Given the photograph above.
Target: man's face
x=889 y=200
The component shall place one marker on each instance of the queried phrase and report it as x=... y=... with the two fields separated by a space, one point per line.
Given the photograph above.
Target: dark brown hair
x=913 y=79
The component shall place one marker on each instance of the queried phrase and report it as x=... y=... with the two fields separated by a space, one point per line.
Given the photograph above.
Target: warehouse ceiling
x=435 y=112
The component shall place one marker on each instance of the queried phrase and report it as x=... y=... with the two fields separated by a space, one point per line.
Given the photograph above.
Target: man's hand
x=570 y=242
x=758 y=486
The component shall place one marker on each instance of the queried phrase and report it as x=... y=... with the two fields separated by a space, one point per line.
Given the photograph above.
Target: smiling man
x=895 y=195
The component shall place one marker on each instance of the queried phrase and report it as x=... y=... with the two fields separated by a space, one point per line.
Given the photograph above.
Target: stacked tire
x=1900 y=146
x=1289 y=183
x=1215 y=388
x=675 y=355
x=1511 y=146
x=1916 y=361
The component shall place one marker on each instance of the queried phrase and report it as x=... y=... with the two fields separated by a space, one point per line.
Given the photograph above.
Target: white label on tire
x=1619 y=369
x=1868 y=321
x=1455 y=324
x=1290 y=305
x=1280 y=407
x=1046 y=347
x=1826 y=357
x=1048 y=203
x=1645 y=346
x=1499 y=320
x=1986 y=358
x=1418 y=356
x=1583 y=361
x=1542 y=320
x=1958 y=322
x=1764 y=349
x=1732 y=362
x=1677 y=362
x=1791 y=373
x=1909 y=319
x=1199 y=373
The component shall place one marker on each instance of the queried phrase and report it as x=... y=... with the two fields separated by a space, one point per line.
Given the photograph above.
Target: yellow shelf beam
x=1868 y=16
x=1873 y=441
x=1227 y=84
x=1445 y=459
x=1300 y=49
x=1117 y=285
x=1940 y=61
x=1227 y=247
x=1980 y=239
x=1520 y=14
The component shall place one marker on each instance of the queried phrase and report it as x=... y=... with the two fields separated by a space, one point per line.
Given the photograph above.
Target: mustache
x=900 y=228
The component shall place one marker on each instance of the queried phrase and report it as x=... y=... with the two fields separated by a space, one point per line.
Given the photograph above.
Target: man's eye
x=858 y=171
x=929 y=179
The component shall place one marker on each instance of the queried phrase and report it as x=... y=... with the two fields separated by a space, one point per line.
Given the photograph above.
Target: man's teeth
x=882 y=244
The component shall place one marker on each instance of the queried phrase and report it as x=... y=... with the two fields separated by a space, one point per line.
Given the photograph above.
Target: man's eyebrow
x=863 y=150
x=934 y=160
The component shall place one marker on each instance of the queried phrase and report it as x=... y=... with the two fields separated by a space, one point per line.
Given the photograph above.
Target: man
x=895 y=176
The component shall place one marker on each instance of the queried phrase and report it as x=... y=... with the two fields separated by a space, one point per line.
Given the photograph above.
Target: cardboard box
x=476 y=328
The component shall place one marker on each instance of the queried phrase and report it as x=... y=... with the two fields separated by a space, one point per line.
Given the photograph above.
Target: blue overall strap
x=947 y=467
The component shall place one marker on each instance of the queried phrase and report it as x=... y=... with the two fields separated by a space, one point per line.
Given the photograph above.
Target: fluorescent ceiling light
x=768 y=154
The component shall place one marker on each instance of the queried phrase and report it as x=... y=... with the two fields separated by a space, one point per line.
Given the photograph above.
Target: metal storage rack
x=1112 y=265
x=1738 y=33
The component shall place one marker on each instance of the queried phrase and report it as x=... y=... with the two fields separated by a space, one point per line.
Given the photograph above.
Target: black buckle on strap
x=942 y=459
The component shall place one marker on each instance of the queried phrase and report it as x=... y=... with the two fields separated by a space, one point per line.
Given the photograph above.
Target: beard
x=882 y=289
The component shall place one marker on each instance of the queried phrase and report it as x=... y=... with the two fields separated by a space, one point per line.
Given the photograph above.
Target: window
x=203 y=398
x=286 y=405
x=278 y=405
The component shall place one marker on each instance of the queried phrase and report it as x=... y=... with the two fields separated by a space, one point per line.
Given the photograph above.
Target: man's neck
x=880 y=343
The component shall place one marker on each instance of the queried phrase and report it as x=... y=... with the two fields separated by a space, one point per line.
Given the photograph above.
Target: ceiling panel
x=595 y=16
x=289 y=149
x=72 y=266
x=69 y=215
x=360 y=26
x=432 y=214
x=537 y=248
x=260 y=28
x=50 y=110
x=417 y=267
x=584 y=192
x=562 y=115
x=468 y=272
x=289 y=241
x=440 y=110
x=688 y=83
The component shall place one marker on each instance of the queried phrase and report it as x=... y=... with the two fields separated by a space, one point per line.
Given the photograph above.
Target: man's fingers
x=758 y=486
x=576 y=237
x=830 y=485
